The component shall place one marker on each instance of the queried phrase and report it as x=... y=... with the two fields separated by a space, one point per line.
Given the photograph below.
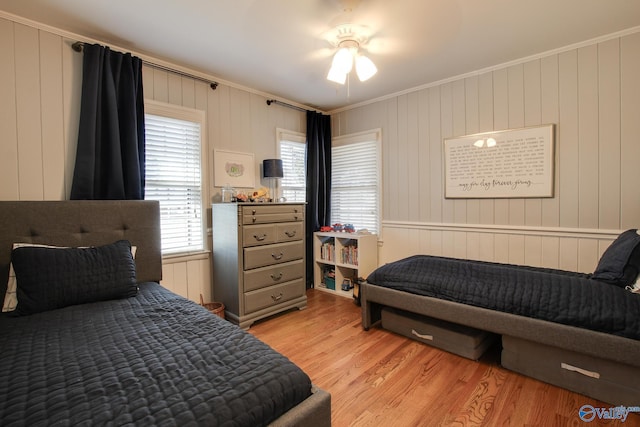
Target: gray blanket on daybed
x=553 y=295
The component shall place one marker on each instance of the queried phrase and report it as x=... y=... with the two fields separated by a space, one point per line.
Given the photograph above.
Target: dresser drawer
x=275 y=213
x=268 y=276
x=273 y=295
x=253 y=235
x=289 y=231
x=260 y=256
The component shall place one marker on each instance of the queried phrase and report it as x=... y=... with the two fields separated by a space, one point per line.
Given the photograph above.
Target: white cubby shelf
x=348 y=255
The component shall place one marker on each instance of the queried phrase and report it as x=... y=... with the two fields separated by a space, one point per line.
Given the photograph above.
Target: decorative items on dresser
x=258 y=259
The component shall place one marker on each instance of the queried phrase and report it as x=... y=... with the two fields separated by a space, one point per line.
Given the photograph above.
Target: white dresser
x=258 y=259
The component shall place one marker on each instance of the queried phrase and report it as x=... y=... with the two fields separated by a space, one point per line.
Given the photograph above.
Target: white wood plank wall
x=592 y=94
x=40 y=85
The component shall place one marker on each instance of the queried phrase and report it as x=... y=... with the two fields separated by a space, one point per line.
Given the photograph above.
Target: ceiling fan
x=349 y=40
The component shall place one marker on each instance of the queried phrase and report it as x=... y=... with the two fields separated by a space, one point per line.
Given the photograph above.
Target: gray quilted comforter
x=154 y=359
x=553 y=295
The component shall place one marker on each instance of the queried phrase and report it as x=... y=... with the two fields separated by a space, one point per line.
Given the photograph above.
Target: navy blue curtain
x=110 y=154
x=318 y=180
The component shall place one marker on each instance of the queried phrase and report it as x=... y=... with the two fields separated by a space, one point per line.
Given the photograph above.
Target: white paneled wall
x=592 y=94
x=40 y=85
x=36 y=90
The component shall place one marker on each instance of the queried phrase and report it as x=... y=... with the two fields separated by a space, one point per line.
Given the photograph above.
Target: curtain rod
x=77 y=46
x=284 y=104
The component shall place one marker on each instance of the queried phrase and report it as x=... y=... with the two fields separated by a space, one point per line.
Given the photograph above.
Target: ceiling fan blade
x=320 y=54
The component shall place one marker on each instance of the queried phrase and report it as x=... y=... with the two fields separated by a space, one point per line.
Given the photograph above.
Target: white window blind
x=293 y=154
x=173 y=177
x=355 y=184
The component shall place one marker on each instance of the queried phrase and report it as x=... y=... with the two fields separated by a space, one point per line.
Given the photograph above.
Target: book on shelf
x=328 y=251
x=349 y=255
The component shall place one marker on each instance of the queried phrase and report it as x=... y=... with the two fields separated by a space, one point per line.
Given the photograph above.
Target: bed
x=578 y=331
x=94 y=339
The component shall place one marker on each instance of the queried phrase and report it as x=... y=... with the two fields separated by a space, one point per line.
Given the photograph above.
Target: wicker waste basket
x=216 y=308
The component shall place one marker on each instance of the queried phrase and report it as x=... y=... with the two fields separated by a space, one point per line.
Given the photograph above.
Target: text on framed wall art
x=501 y=164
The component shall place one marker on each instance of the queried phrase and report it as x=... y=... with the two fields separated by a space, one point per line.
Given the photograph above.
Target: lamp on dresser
x=273 y=170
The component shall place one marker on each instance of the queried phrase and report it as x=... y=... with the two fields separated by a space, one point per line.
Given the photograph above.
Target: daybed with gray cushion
x=578 y=331
x=95 y=340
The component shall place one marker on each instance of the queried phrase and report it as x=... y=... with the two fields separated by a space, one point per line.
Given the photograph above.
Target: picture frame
x=234 y=169
x=512 y=163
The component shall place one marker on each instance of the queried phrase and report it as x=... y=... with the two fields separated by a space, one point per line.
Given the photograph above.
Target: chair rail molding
x=523 y=230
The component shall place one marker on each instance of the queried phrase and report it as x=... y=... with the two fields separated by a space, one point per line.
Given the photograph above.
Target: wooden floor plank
x=377 y=378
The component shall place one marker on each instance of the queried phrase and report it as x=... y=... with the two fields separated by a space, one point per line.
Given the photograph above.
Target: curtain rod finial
x=214 y=85
x=77 y=46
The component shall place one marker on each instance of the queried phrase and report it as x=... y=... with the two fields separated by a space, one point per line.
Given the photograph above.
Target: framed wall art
x=233 y=168
x=511 y=163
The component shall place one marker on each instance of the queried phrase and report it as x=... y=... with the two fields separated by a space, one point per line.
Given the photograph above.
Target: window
x=293 y=152
x=174 y=174
x=355 y=180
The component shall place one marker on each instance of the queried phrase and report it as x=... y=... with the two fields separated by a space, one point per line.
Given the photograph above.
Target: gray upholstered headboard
x=83 y=223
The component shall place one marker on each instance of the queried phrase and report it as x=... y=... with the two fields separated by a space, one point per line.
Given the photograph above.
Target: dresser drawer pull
x=295 y=217
x=253 y=219
x=276 y=298
x=253 y=211
x=260 y=238
x=277 y=257
x=276 y=277
x=290 y=233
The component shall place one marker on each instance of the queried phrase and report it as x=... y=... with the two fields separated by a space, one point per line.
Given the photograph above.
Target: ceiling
x=279 y=47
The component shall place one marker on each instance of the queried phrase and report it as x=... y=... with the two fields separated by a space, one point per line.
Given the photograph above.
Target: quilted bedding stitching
x=156 y=359
x=554 y=295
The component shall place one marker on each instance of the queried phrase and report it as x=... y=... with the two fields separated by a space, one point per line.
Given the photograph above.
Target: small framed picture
x=233 y=168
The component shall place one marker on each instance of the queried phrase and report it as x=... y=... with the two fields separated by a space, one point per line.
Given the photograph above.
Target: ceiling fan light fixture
x=342 y=61
x=365 y=68
x=348 y=44
x=336 y=76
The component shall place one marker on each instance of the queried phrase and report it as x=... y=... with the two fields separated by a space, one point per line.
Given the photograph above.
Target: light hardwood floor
x=377 y=378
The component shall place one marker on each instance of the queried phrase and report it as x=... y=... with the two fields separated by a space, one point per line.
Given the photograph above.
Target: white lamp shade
x=365 y=68
x=343 y=61
x=336 y=76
